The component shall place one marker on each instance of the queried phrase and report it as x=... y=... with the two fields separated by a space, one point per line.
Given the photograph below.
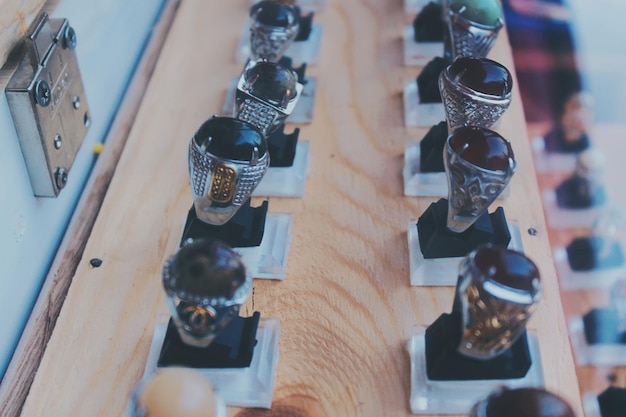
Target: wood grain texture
x=345 y=306
x=16 y=16
x=23 y=366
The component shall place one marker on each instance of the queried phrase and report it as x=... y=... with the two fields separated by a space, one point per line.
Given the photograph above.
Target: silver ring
x=227 y=160
x=273 y=28
x=470 y=38
x=466 y=106
x=206 y=283
x=498 y=290
x=474 y=183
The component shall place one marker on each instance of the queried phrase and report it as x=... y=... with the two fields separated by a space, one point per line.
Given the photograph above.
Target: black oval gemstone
x=482 y=75
x=527 y=402
x=272 y=82
x=507 y=267
x=208 y=268
x=230 y=138
x=483 y=147
x=274 y=13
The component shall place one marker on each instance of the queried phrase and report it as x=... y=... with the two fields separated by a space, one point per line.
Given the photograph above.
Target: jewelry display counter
x=346 y=306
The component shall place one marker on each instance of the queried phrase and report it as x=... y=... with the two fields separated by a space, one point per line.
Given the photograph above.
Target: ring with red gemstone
x=475 y=92
x=473 y=26
x=227 y=160
x=266 y=95
x=497 y=292
x=479 y=164
x=206 y=283
x=273 y=28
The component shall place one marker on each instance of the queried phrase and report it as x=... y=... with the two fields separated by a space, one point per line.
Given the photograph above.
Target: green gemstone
x=484 y=12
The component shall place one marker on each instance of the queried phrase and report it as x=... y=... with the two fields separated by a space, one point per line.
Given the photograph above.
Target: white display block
x=552 y=161
x=421 y=184
x=307 y=5
x=238 y=387
x=418 y=54
x=597 y=354
x=302 y=113
x=562 y=218
x=301 y=52
x=269 y=259
x=420 y=114
x=584 y=280
x=286 y=181
x=425 y=184
x=458 y=397
x=443 y=271
x=415 y=6
x=591 y=405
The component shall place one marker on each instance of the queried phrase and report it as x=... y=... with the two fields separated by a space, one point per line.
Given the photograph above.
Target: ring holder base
x=269 y=259
x=613 y=401
x=286 y=181
x=415 y=6
x=609 y=403
x=271 y=233
x=232 y=347
x=457 y=396
x=282 y=147
x=420 y=114
x=582 y=266
x=302 y=113
x=563 y=218
x=418 y=54
x=443 y=271
x=251 y=386
x=437 y=241
x=306 y=51
x=597 y=340
x=445 y=363
x=426 y=184
x=245 y=229
x=552 y=160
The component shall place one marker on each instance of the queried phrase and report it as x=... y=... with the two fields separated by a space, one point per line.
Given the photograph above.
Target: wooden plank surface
x=21 y=371
x=346 y=307
x=16 y=17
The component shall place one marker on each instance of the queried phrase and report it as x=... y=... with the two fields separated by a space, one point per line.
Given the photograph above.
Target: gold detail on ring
x=223 y=184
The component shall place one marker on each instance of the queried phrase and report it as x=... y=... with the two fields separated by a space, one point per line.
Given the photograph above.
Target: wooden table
x=345 y=307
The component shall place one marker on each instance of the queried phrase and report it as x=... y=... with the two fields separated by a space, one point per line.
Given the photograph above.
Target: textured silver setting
x=269 y=43
x=467 y=107
x=469 y=38
x=260 y=111
x=220 y=186
x=471 y=189
x=493 y=315
x=199 y=315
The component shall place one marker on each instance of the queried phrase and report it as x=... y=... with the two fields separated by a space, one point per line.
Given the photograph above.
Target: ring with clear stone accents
x=273 y=28
x=266 y=95
x=227 y=160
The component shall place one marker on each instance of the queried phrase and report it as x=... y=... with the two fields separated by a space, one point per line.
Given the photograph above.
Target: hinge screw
x=60 y=177
x=43 y=94
x=57 y=141
x=69 y=37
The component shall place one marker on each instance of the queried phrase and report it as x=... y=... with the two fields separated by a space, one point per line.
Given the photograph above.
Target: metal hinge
x=47 y=101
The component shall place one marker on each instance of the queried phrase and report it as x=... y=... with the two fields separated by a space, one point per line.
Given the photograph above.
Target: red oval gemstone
x=485 y=148
x=482 y=75
x=507 y=267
